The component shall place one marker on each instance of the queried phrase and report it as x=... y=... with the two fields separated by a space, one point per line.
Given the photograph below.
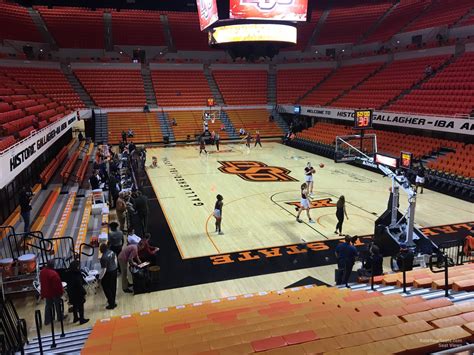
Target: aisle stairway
x=71 y=343
x=166 y=129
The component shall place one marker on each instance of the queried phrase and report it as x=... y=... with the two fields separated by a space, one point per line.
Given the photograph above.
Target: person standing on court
x=25 y=206
x=304 y=204
x=141 y=206
x=345 y=254
x=115 y=238
x=127 y=256
x=108 y=275
x=340 y=213
x=257 y=139
x=217 y=138
x=420 y=178
x=51 y=290
x=308 y=172
x=218 y=213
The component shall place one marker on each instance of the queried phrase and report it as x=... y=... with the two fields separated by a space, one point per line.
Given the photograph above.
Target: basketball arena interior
x=237 y=176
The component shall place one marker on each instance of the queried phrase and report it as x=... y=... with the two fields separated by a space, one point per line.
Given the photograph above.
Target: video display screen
x=255 y=32
x=207 y=11
x=386 y=160
x=282 y=10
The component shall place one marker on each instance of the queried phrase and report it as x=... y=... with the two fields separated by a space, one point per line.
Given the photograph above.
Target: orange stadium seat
x=242 y=87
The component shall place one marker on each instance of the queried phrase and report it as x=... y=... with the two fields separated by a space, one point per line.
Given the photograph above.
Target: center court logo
x=256 y=171
x=266 y=5
x=325 y=202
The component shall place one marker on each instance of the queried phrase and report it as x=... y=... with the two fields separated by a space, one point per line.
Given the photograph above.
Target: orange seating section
x=68 y=168
x=460 y=162
x=348 y=24
x=145 y=126
x=389 y=82
x=190 y=123
x=293 y=83
x=113 y=87
x=441 y=13
x=186 y=33
x=343 y=79
x=180 y=87
x=254 y=120
x=17 y=24
x=74 y=27
x=387 y=142
x=403 y=13
x=28 y=102
x=424 y=278
x=50 y=169
x=449 y=92
x=135 y=27
x=308 y=320
x=55 y=87
x=81 y=172
x=242 y=87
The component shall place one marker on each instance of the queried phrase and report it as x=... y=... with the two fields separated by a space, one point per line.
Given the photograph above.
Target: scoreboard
x=362 y=119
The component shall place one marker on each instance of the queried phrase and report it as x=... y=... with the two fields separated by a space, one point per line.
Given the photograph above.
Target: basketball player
x=202 y=146
x=308 y=172
x=218 y=213
x=304 y=205
x=257 y=139
x=420 y=178
x=340 y=213
x=248 y=139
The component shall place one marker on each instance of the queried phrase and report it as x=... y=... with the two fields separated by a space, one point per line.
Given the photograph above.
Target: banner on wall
x=15 y=159
x=432 y=123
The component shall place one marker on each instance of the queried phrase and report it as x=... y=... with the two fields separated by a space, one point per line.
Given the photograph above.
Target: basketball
x=321 y=165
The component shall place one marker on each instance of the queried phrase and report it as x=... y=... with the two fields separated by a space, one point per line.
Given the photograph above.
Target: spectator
x=130 y=133
x=345 y=254
x=76 y=292
x=146 y=108
x=373 y=263
x=25 y=206
x=242 y=131
x=405 y=258
x=114 y=187
x=428 y=70
x=115 y=238
x=128 y=255
x=173 y=122
x=80 y=137
x=132 y=238
x=148 y=253
x=131 y=147
x=108 y=275
x=222 y=127
x=120 y=209
x=51 y=291
x=141 y=206
x=94 y=180
x=124 y=137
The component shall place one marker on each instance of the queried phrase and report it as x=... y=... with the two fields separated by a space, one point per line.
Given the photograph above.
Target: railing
x=454 y=250
x=81 y=251
x=441 y=266
x=14 y=329
x=39 y=325
x=65 y=251
x=17 y=244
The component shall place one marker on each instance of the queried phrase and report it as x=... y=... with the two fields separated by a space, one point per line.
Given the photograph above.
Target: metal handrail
x=39 y=324
x=444 y=269
x=52 y=315
x=61 y=309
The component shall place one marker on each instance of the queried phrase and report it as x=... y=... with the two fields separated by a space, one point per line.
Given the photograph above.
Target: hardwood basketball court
x=260 y=187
